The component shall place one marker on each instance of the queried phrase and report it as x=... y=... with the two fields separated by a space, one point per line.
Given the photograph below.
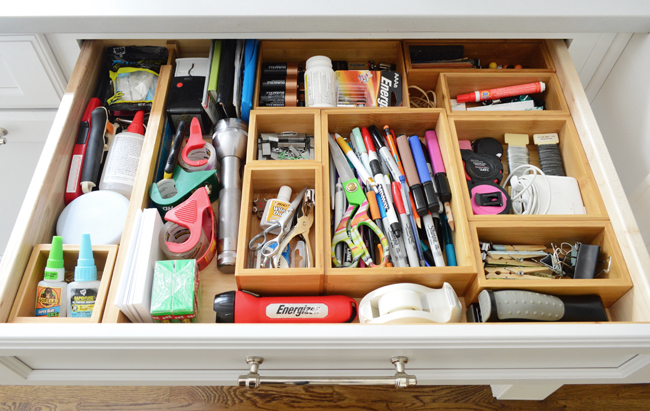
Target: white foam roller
x=398 y=301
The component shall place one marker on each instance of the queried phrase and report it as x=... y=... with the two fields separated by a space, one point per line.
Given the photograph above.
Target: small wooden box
x=299 y=120
x=263 y=180
x=25 y=303
x=532 y=55
x=298 y=51
x=609 y=286
x=573 y=155
x=356 y=282
x=453 y=84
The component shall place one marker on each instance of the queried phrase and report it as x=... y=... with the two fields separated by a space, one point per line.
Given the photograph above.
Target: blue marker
x=423 y=174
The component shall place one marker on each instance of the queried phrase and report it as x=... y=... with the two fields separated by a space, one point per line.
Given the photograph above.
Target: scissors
x=357 y=213
x=271 y=248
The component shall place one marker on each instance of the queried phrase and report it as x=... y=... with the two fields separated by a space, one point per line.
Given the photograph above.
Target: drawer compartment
x=263 y=180
x=451 y=85
x=298 y=51
x=532 y=55
x=301 y=120
x=609 y=286
x=573 y=156
x=357 y=282
x=23 y=309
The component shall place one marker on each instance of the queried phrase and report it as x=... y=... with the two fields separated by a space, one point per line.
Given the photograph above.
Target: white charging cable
x=525 y=198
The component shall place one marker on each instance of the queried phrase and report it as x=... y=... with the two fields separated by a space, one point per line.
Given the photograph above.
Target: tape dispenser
x=410 y=304
x=190 y=230
x=186 y=184
x=195 y=151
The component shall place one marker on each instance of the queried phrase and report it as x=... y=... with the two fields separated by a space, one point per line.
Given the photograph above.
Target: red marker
x=244 y=307
x=73 y=185
x=495 y=93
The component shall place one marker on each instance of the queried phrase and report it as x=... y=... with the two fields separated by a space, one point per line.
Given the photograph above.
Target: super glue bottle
x=275 y=208
x=123 y=158
x=82 y=292
x=51 y=293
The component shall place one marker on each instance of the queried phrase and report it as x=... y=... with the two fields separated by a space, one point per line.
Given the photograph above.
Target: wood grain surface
x=305 y=398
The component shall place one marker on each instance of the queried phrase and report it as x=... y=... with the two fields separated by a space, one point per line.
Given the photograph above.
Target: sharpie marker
x=409 y=241
x=530 y=88
x=382 y=186
x=395 y=247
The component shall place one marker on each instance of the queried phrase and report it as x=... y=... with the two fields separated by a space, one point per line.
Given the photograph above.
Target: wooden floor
x=569 y=397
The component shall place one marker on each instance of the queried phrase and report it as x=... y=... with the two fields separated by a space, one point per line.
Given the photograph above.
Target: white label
x=125 y=156
x=320 y=88
x=75 y=172
x=296 y=310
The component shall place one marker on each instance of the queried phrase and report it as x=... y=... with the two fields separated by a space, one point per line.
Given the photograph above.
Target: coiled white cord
x=525 y=198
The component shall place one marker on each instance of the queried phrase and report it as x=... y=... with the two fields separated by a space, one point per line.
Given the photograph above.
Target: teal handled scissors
x=357 y=213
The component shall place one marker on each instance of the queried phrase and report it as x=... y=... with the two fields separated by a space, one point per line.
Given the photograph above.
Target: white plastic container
x=123 y=158
x=275 y=208
x=320 y=83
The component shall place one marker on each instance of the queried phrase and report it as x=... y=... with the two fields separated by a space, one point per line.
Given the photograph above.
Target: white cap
x=315 y=61
x=285 y=193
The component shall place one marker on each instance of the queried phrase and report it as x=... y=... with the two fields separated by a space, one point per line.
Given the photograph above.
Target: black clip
x=489 y=199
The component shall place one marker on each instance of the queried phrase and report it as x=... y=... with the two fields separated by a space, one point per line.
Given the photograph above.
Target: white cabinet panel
x=29 y=74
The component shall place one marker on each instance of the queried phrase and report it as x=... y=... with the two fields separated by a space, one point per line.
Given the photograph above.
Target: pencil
x=450 y=216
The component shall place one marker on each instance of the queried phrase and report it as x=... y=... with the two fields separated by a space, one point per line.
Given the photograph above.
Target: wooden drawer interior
x=451 y=85
x=532 y=55
x=37 y=225
x=610 y=286
x=298 y=51
x=573 y=156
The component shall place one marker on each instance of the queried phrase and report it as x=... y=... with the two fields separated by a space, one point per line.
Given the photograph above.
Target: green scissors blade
x=351 y=186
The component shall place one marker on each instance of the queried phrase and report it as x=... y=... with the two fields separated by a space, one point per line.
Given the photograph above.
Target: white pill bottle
x=320 y=83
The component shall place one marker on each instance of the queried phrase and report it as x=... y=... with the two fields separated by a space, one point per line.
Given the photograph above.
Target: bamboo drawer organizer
x=261 y=177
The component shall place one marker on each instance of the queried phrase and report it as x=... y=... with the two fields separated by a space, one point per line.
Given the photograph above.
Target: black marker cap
x=444 y=191
x=377 y=138
x=432 y=198
x=418 y=198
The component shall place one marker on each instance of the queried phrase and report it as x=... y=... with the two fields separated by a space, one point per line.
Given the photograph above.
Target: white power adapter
x=564 y=194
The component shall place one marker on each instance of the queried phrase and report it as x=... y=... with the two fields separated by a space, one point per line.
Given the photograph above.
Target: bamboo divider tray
x=453 y=84
x=610 y=287
x=298 y=51
x=25 y=303
x=299 y=120
x=532 y=54
x=573 y=155
x=356 y=282
x=263 y=180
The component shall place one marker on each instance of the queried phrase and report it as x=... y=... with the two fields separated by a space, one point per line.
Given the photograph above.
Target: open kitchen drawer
x=118 y=353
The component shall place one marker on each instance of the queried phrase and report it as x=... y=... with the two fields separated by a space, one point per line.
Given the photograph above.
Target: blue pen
x=423 y=174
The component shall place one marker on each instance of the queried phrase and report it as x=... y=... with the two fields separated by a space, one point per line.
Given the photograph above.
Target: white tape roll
x=174 y=233
x=207 y=152
x=398 y=301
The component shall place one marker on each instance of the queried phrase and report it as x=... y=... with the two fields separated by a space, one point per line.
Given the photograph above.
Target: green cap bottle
x=54 y=269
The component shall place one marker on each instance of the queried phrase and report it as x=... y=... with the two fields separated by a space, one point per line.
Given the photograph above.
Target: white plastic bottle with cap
x=275 y=208
x=320 y=83
x=123 y=158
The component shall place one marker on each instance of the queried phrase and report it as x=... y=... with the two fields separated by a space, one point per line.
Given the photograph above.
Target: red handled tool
x=73 y=185
x=245 y=307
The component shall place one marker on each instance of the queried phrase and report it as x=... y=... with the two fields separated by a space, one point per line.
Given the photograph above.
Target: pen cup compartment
x=298 y=51
x=25 y=303
x=356 y=282
x=303 y=120
x=574 y=158
x=531 y=54
x=609 y=286
x=263 y=180
x=451 y=85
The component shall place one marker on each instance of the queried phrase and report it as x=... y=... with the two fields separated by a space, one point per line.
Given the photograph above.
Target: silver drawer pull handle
x=400 y=380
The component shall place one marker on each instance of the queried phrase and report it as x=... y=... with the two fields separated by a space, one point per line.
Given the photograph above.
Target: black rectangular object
x=226 y=84
x=184 y=102
x=428 y=54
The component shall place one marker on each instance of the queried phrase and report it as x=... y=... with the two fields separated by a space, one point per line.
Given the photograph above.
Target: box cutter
x=246 y=307
x=410 y=304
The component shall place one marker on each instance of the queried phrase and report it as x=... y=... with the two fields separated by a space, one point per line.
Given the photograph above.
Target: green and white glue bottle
x=82 y=292
x=51 y=293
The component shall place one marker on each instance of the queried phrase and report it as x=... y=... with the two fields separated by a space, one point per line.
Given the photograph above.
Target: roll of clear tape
x=207 y=152
x=175 y=233
x=398 y=301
